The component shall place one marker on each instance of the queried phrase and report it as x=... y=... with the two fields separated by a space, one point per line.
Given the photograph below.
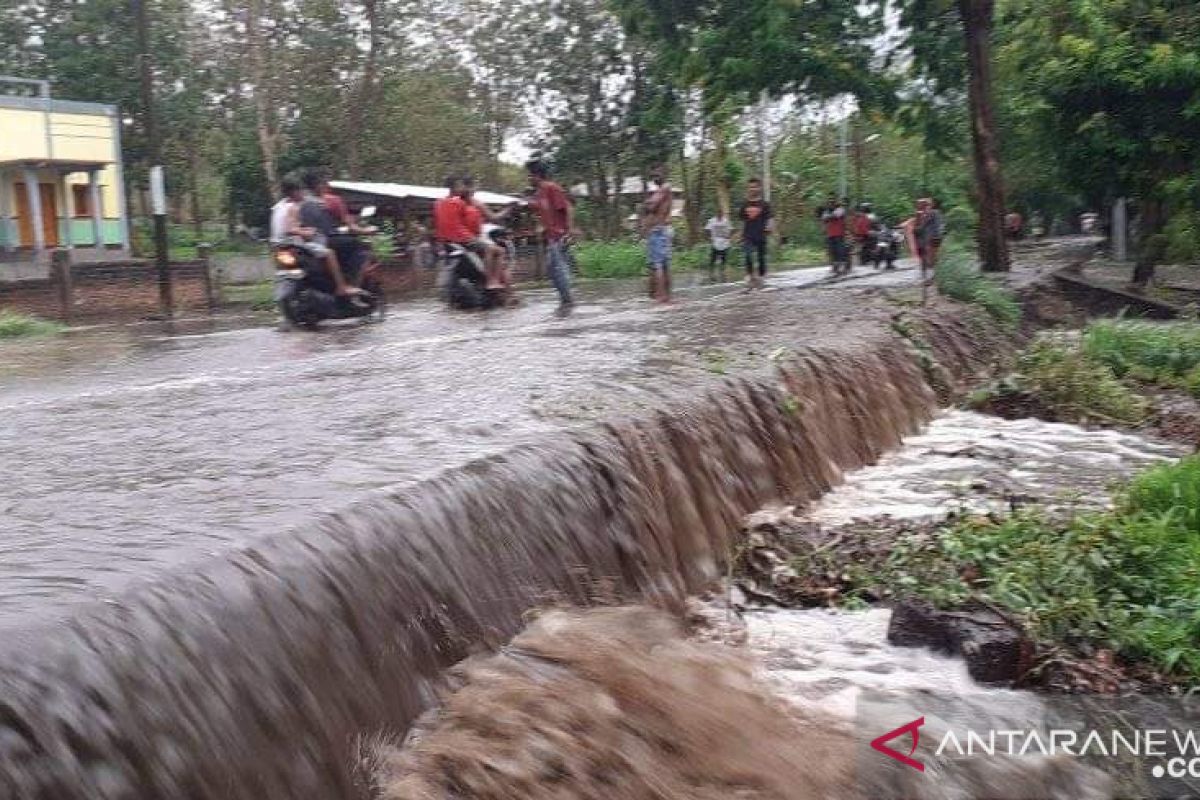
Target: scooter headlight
x=286 y=258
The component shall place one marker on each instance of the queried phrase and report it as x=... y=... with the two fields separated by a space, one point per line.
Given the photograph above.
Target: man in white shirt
x=720 y=231
x=284 y=214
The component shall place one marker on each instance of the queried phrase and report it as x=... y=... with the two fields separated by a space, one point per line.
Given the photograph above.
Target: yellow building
x=60 y=177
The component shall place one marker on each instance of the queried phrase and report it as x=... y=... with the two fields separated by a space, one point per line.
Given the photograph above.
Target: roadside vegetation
x=627 y=259
x=1109 y=375
x=957 y=277
x=258 y=296
x=1148 y=352
x=14 y=325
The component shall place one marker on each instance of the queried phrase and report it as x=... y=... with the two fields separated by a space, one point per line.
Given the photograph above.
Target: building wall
x=73 y=222
x=72 y=136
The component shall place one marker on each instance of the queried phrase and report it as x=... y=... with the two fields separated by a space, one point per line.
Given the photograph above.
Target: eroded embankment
x=253 y=677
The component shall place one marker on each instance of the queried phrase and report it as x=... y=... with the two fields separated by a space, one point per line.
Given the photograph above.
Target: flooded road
x=129 y=451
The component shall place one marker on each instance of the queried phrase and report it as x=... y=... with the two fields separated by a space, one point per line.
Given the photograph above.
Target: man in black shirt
x=757 y=223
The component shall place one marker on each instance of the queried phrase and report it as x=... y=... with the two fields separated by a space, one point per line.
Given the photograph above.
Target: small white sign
x=158 y=192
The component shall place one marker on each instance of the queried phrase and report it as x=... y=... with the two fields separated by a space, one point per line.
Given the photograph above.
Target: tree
x=1116 y=89
x=951 y=46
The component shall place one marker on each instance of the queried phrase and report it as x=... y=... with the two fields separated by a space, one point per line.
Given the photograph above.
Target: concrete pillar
x=1120 y=230
x=97 y=212
x=63 y=202
x=118 y=169
x=34 y=192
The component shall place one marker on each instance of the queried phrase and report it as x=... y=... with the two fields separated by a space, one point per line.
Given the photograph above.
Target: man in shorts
x=656 y=223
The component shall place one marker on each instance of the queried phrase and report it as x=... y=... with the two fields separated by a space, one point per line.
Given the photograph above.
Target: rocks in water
x=993 y=647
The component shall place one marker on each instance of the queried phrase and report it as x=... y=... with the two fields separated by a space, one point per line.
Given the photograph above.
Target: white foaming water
x=978 y=462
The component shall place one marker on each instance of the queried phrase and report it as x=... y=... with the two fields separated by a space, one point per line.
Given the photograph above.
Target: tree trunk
x=362 y=99
x=194 y=179
x=1151 y=219
x=977 y=18
x=722 y=150
x=689 y=197
x=262 y=101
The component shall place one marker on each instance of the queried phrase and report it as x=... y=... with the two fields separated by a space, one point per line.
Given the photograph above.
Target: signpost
x=158 y=195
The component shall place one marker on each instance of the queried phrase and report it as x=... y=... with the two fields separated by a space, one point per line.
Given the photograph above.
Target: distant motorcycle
x=885 y=246
x=304 y=289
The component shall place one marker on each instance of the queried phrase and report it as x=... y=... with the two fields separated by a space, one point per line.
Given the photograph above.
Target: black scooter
x=304 y=288
x=465 y=278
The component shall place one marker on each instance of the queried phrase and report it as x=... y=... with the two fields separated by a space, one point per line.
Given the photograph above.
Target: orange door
x=49 y=215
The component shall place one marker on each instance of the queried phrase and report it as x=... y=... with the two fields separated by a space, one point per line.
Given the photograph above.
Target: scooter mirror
x=367 y=212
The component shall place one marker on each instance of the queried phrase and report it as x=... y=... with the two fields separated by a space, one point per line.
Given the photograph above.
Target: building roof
x=404 y=191
x=57 y=106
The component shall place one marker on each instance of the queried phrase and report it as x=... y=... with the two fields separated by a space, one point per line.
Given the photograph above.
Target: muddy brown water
x=251 y=673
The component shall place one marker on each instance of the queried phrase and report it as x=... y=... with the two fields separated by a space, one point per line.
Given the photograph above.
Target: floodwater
x=130 y=451
x=977 y=462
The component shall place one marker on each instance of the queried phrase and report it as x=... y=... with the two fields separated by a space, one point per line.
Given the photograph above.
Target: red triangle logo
x=914 y=727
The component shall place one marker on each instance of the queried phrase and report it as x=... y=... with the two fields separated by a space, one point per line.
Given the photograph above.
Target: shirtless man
x=656 y=224
x=477 y=215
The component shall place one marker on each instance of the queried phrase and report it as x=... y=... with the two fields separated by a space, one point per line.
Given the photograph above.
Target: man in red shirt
x=834 y=221
x=450 y=223
x=556 y=213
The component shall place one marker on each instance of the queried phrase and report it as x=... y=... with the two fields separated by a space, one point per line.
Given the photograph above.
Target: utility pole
x=158 y=200
x=858 y=160
x=843 y=146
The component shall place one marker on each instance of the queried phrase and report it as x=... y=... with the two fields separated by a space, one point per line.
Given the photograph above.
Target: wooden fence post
x=204 y=254
x=60 y=269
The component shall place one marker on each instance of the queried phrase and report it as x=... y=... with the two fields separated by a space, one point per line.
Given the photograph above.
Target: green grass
x=627 y=258
x=1076 y=388
x=14 y=325
x=259 y=296
x=1127 y=580
x=1165 y=353
x=957 y=277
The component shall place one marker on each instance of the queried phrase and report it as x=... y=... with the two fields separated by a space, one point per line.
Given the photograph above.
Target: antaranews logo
x=913 y=728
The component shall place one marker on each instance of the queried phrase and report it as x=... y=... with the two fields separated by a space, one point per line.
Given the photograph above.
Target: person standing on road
x=720 y=231
x=557 y=215
x=834 y=220
x=656 y=223
x=758 y=220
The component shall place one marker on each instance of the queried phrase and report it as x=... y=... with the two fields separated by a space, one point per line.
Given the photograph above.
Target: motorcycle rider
x=310 y=225
x=860 y=227
x=451 y=224
x=351 y=252
x=476 y=214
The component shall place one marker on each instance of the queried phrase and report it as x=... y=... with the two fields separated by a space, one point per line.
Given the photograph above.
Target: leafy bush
x=1075 y=387
x=1152 y=352
x=1183 y=237
x=1168 y=489
x=957 y=277
x=1128 y=580
x=13 y=325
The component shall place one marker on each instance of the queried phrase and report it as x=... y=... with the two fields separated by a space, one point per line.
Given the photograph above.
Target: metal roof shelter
x=402 y=199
